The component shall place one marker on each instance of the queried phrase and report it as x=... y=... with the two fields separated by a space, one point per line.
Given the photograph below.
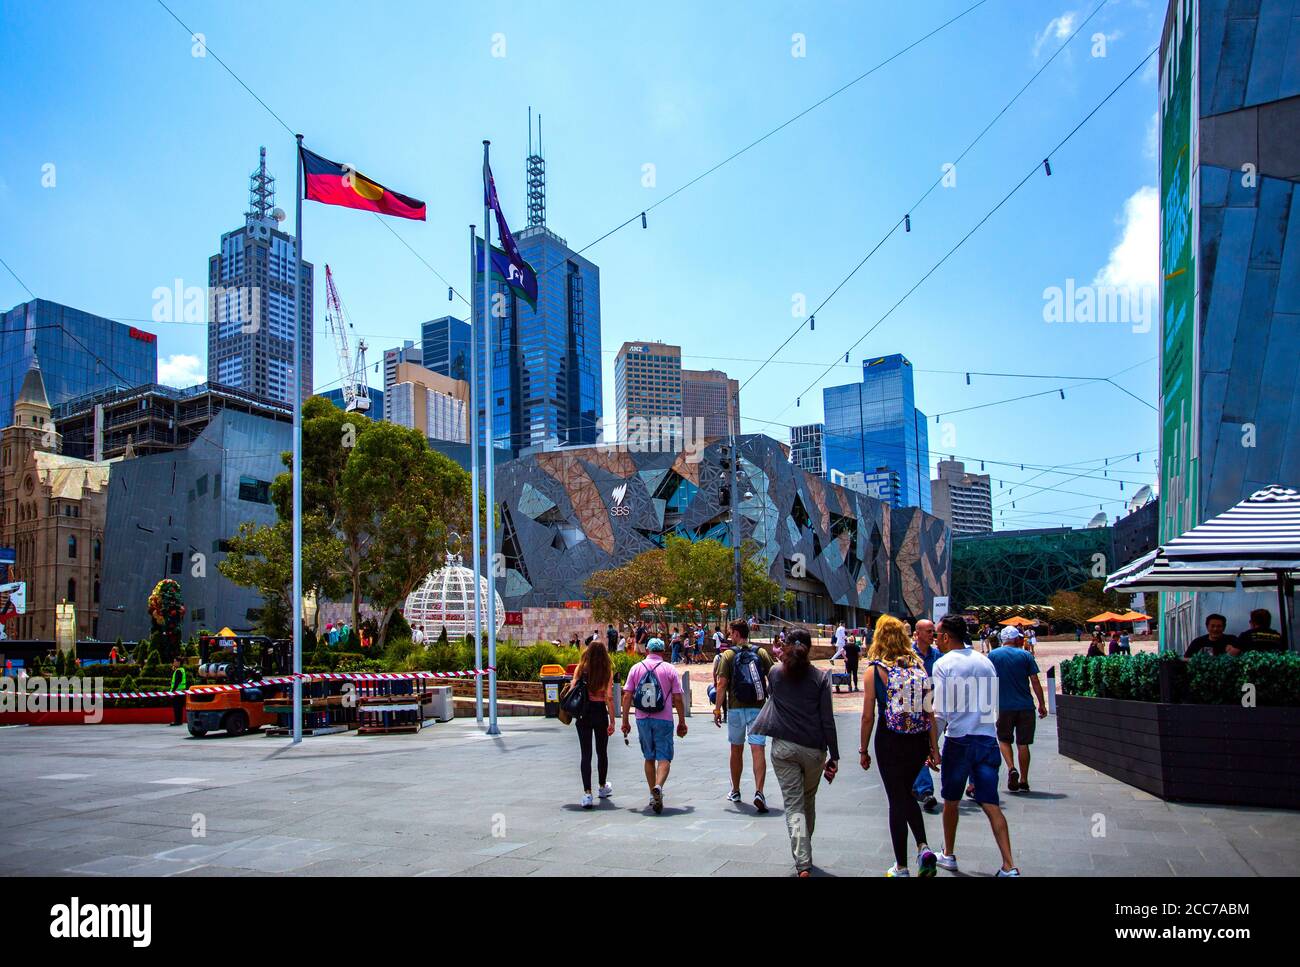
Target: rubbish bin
x=553 y=681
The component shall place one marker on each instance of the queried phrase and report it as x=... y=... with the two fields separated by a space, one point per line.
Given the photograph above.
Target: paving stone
x=449 y=801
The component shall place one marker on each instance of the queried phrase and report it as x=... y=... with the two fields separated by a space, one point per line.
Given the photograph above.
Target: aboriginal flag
x=331 y=183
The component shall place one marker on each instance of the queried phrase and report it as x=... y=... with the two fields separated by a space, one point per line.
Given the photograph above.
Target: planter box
x=1192 y=753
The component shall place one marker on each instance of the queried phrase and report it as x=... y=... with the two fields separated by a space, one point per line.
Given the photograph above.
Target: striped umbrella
x=1263 y=531
x=1255 y=544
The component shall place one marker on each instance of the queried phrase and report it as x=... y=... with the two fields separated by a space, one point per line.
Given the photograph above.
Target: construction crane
x=356 y=391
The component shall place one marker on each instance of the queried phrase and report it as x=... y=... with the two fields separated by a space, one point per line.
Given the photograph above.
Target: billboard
x=1179 y=363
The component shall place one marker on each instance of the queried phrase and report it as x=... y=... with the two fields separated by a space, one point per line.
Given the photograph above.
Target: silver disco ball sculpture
x=445 y=599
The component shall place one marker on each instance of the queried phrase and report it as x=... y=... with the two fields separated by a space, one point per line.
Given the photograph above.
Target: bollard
x=618 y=699
x=686 y=691
x=1051 y=690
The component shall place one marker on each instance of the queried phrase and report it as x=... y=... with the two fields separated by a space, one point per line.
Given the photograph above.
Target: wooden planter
x=1194 y=753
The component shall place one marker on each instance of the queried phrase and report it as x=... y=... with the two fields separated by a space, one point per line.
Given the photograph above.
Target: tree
x=617 y=593
x=262 y=558
x=400 y=501
x=1089 y=599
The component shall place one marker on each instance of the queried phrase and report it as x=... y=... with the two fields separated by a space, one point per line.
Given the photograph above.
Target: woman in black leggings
x=596 y=722
x=903 y=743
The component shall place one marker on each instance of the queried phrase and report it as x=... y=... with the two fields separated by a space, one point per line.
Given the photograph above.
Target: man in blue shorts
x=741 y=678
x=965 y=711
x=654 y=726
x=1017 y=672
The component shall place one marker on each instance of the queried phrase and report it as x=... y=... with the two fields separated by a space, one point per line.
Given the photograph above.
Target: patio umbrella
x=1134 y=616
x=1016 y=620
x=1106 y=617
x=1254 y=544
x=1262 y=532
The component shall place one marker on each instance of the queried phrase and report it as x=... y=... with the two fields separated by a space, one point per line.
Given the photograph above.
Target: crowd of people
x=932 y=704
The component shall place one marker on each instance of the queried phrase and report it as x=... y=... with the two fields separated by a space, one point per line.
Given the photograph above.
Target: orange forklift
x=241 y=660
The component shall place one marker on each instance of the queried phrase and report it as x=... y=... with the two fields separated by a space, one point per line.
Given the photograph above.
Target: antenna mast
x=536 y=169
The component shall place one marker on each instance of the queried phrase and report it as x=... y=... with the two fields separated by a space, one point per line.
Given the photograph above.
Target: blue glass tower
x=79 y=352
x=875 y=425
x=445 y=346
x=546 y=367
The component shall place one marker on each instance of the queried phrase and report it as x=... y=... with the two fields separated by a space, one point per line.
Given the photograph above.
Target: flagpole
x=474 y=476
x=296 y=596
x=489 y=455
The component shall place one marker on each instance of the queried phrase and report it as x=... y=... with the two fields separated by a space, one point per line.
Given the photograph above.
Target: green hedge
x=1204 y=679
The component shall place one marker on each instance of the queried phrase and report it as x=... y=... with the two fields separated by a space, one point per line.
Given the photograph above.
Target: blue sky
x=152 y=147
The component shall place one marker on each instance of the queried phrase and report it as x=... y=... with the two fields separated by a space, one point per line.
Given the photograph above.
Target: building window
x=254 y=490
x=96 y=592
x=72 y=548
x=72 y=590
x=96 y=548
x=178 y=561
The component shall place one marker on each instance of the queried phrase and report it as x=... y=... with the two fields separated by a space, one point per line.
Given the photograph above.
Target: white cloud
x=1057 y=28
x=181 y=370
x=1134 y=260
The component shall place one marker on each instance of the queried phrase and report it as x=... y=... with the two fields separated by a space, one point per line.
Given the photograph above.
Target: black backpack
x=748 y=679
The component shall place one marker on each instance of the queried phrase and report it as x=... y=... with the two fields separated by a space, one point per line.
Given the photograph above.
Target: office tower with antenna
x=546 y=376
x=252 y=283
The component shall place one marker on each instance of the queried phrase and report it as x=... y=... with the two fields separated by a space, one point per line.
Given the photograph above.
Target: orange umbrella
x=1016 y=620
x=1106 y=616
x=1134 y=616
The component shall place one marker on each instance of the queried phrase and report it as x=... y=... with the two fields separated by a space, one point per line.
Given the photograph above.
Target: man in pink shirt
x=654 y=690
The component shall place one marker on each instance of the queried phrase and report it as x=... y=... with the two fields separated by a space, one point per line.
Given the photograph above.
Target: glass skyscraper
x=78 y=352
x=444 y=344
x=875 y=426
x=546 y=380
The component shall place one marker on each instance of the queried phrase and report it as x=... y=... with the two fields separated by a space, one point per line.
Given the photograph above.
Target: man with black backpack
x=655 y=691
x=741 y=679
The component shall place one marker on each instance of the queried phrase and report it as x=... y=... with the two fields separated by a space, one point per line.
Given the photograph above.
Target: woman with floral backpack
x=899 y=699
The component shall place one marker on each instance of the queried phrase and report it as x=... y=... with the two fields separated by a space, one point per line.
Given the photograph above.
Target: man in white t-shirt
x=841 y=639
x=966 y=713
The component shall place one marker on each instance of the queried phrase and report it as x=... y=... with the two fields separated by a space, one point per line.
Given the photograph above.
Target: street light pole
x=735 y=511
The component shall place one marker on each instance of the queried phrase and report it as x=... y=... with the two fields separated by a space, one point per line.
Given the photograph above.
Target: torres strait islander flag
x=331 y=183
x=516 y=271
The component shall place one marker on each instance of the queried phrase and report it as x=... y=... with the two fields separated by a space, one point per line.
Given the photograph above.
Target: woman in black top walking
x=799 y=719
x=852 y=653
x=596 y=723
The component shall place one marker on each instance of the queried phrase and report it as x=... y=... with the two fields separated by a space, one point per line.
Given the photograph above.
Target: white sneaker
x=606 y=790
x=587 y=801
x=946 y=861
x=733 y=796
x=897 y=871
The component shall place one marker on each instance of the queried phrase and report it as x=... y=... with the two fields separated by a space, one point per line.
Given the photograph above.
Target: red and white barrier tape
x=288 y=680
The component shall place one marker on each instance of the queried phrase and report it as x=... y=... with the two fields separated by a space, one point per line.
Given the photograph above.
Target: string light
x=1047 y=166
x=907 y=223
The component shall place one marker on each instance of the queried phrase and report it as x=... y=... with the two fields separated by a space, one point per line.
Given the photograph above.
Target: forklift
x=239 y=660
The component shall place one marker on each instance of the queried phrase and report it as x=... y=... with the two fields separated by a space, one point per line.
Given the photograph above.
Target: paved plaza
x=131 y=800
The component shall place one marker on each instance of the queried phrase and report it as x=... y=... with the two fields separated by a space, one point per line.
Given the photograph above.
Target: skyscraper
x=647 y=383
x=874 y=426
x=711 y=397
x=78 y=352
x=546 y=379
x=964 y=500
x=1229 y=163
x=408 y=352
x=808 y=448
x=444 y=345
x=252 y=283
